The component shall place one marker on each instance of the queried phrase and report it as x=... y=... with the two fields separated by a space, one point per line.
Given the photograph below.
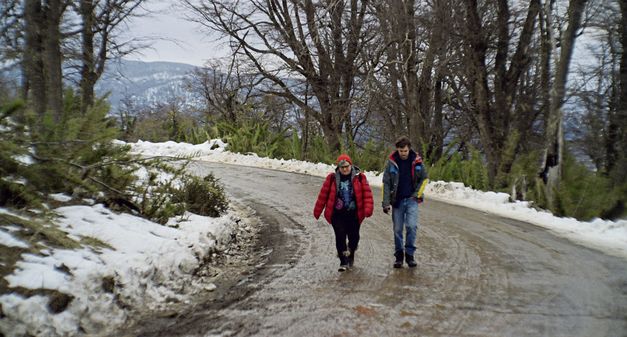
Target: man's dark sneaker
x=399 y=260
x=410 y=260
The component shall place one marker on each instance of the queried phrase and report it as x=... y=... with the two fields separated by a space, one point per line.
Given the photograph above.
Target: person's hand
x=420 y=200
x=386 y=209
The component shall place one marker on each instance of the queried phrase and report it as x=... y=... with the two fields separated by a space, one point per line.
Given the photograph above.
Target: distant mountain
x=145 y=83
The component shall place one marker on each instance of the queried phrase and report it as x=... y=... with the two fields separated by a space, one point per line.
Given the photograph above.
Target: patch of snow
x=6 y=239
x=24 y=159
x=62 y=197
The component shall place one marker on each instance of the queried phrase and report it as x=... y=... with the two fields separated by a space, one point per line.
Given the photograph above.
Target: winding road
x=477 y=275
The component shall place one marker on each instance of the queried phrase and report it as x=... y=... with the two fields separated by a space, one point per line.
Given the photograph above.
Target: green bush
x=203 y=196
x=371 y=157
x=454 y=167
x=15 y=187
x=318 y=151
x=168 y=190
x=161 y=125
x=152 y=194
x=197 y=135
x=255 y=137
x=294 y=147
x=76 y=154
x=258 y=137
x=150 y=129
x=71 y=154
x=584 y=194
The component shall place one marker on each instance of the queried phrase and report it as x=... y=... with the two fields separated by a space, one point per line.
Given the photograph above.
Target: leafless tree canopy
x=43 y=35
x=294 y=44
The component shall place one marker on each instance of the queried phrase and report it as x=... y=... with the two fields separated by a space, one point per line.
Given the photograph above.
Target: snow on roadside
x=604 y=235
x=607 y=236
x=149 y=265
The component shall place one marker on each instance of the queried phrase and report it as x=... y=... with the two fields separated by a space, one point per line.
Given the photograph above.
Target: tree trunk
x=331 y=134
x=618 y=171
x=305 y=138
x=436 y=143
x=479 y=90
x=554 y=148
x=88 y=75
x=410 y=66
x=546 y=50
x=53 y=58
x=35 y=82
x=408 y=59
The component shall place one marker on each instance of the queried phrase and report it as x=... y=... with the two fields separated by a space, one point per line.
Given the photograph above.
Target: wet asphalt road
x=477 y=275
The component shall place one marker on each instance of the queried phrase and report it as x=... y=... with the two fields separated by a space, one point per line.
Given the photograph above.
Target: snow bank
x=149 y=265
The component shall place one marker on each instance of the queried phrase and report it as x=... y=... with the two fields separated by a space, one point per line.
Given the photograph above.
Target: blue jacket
x=390 y=179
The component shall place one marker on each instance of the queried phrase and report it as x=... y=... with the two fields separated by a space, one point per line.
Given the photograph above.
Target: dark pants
x=345 y=225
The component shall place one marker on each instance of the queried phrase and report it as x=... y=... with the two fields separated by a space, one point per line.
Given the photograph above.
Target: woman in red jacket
x=346 y=199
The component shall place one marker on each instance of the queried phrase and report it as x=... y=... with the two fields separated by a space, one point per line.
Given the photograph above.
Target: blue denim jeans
x=405 y=216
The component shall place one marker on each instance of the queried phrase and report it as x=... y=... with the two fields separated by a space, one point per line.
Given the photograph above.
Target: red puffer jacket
x=326 y=197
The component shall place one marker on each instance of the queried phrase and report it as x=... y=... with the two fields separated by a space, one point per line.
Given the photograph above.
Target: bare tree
x=225 y=89
x=596 y=92
x=415 y=42
x=296 y=43
x=551 y=168
x=102 y=21
x=48 y=26
x=493 y=91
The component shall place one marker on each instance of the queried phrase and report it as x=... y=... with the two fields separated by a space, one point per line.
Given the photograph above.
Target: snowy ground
x=150 y=264
x=139 y=264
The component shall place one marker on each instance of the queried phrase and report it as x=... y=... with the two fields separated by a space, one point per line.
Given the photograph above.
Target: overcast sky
x=173 y=38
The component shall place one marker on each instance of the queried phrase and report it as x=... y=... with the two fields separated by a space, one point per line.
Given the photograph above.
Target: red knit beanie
x=344 y=157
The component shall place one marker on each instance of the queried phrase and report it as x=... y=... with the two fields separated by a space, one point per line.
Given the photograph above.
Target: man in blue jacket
x=404 y=180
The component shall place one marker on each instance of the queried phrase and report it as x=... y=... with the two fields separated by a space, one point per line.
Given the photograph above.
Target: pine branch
x=112 y=189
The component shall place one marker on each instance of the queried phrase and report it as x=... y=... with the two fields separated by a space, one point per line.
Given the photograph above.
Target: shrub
x=152 y=194
x=372 y=156
x=165 y=191
x=584 y=194
x=254 y=137
x=203 y=196
x=16 y=172
x=454 y=167
x=318 y=151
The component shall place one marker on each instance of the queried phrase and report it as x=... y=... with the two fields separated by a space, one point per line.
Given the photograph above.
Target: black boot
x=343 y=261
x=410 y=261
x=399 y=259
x=351 y=257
